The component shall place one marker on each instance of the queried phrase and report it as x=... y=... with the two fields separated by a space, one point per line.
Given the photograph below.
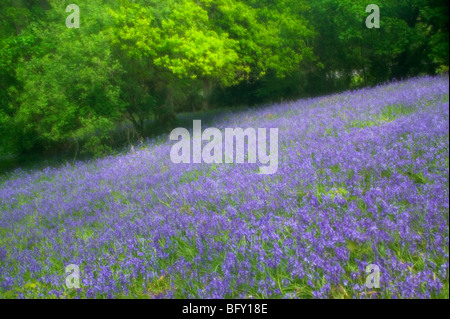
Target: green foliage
x=69 y=88
x=139 y=62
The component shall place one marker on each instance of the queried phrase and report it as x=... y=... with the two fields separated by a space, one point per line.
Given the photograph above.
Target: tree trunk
x=169 y=99
x=362 y=59
x=165 y=115
x=207 y=85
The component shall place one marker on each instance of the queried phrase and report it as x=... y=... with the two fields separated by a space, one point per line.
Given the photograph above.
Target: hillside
x=363 y=178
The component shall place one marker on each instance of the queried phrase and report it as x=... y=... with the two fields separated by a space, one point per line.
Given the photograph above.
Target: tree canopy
x=142 y=61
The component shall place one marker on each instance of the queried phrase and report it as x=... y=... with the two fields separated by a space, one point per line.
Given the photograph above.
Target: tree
x=16 y=43
x=180 y=41
x=70 y=87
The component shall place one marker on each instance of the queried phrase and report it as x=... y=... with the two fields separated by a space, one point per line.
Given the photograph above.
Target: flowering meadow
x=363 y=179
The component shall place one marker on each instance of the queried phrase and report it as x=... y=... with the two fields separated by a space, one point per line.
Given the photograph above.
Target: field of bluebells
x=363 y=179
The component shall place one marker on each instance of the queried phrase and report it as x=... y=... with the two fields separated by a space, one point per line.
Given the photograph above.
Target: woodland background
x=133 y=67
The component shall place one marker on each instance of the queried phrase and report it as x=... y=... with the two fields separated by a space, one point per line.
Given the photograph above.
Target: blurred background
x=136 y=69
